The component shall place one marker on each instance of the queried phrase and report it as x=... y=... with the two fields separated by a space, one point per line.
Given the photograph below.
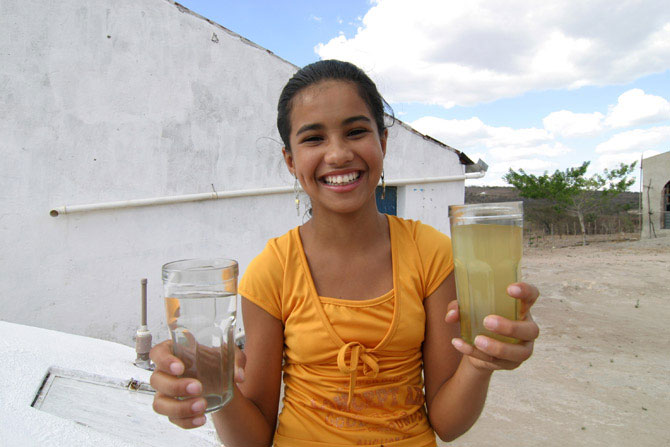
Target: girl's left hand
x=490 y=354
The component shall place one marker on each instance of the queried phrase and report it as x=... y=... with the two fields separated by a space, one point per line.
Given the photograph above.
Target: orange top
x=352 y=369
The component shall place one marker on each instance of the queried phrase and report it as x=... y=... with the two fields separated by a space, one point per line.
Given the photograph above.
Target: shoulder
x=426 y=250
x=274 y=253
x=264 y=277
x=422 y=234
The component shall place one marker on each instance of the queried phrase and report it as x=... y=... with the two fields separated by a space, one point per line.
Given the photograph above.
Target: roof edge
x=463 y=158
x=183 y=9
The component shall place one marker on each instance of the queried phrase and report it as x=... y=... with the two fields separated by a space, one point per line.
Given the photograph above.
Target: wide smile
x=341 y=179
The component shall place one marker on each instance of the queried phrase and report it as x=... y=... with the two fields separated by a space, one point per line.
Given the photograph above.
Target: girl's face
x=337 y=153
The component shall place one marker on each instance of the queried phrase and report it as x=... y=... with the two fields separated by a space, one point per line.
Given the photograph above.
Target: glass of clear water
x=201 y=305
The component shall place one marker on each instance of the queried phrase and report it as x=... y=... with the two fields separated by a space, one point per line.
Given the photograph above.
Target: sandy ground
x=600 y=373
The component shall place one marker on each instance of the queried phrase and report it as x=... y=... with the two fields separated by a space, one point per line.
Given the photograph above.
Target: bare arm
x=457 y=384
x=455 y=391
x=249 y=419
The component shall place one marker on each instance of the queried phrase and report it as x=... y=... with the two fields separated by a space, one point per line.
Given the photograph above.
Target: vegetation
x=572 y=191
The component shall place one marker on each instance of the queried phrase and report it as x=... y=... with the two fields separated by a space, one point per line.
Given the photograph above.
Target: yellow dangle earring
x=383 y=186
x=297 y=196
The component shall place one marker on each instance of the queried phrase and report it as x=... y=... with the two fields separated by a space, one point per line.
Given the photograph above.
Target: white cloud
x=457 y=133
x=636 y=140
x=533 y=165
x=514 y=152
x=496 y=171
x=634 y=107
x=569 y=124
x=521 y=138
x=611 y=161
x=448 y=53
x=501 y=148
x=501 y=143
x=315 y=18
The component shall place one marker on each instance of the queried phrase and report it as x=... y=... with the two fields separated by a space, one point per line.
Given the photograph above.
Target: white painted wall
x=106 y=100
x=410 y=155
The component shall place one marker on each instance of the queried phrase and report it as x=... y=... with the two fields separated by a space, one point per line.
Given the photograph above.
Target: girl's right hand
x=180 y=398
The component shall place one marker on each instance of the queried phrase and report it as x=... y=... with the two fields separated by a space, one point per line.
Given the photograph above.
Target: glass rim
x=215 y=264
x=488 y=210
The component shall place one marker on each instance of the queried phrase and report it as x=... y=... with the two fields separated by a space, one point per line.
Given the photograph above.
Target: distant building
x=656 y=196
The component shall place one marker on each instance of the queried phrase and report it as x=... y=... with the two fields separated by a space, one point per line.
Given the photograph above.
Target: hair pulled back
x=324 y=71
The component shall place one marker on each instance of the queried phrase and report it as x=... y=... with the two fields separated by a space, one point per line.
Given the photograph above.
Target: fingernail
x=200 y=420
x=481 y=342
x=176 y=369
x=490 y=323
x=450 y=313
x=199 y=406
x=514 y=290
x=458 y=343
x=193 y=388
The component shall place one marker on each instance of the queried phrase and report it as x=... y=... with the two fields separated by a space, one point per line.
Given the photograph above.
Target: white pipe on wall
x=215 y=195
x=420 y=181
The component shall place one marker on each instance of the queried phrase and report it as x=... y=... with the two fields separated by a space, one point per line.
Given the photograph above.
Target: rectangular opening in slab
x=119 y=407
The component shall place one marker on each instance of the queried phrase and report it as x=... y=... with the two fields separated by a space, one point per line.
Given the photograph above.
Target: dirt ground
x=600 y=373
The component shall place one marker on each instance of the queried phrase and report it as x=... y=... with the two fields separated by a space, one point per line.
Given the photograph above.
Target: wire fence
x=567 y=231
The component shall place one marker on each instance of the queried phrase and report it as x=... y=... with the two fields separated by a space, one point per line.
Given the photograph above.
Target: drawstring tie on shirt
x=357 y=352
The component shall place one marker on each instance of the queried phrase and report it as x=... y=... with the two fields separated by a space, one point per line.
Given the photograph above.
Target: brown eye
x=312 y=139
x=357 y=132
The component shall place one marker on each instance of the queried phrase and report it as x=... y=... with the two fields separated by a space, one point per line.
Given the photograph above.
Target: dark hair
x=323 y=71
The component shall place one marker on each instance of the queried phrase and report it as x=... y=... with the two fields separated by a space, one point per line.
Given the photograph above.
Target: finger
x=525 y=330
x=171 y=386
x=165 y=361
x=189 y=423
x=480 y=359
x=523 y=291
x=527 y=293
x=469 y=350
x=240 y=363
x=516 y=353
x=179 y=411
x=452 y=315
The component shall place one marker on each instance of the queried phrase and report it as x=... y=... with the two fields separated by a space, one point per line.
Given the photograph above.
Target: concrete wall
x=106 y=100
x=655 y=170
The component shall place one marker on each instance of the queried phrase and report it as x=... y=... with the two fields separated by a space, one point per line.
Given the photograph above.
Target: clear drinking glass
x=487 y=241
x=201 y=305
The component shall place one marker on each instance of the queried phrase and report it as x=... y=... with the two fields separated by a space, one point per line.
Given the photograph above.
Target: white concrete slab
x=27 y=353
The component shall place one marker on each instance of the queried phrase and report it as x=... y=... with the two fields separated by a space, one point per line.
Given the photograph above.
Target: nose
x=338 y=153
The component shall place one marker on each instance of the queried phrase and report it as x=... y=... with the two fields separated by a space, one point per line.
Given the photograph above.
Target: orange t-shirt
x=352 y=369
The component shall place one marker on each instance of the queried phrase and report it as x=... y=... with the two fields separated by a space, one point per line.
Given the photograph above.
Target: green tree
x=571 y=190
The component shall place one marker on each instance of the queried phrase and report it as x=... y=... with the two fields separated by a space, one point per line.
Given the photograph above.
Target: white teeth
x=341 y=179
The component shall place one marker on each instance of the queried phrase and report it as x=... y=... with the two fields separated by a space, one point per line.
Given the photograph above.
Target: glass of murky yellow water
x=487 y=240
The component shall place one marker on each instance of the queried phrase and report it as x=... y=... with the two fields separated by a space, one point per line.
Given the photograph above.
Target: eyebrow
x=316 y=126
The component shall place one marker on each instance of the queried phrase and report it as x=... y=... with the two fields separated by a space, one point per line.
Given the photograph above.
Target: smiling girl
x=356 y=308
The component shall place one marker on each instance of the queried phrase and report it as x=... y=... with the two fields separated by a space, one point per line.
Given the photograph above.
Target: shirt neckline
x=316 y=299
x=358 y=303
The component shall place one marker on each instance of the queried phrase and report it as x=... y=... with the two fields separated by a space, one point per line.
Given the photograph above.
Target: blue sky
x=533 y=85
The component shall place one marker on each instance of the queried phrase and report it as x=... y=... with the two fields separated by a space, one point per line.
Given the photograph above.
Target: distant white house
x=115 y=100
x=656 y=196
